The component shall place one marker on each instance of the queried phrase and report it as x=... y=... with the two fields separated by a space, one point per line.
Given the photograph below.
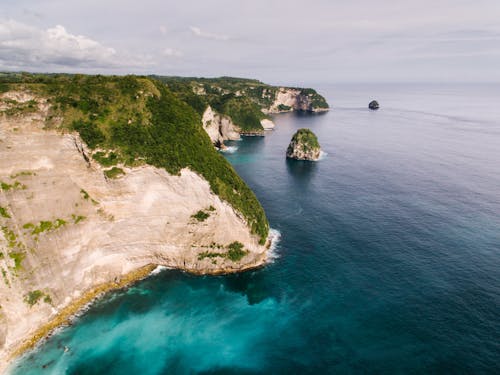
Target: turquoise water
x=389 y=259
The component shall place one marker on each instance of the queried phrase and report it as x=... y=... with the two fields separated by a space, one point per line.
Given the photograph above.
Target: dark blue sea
x=388 y=263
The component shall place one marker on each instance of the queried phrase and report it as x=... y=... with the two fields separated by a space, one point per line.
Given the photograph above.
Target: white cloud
x=26 y=47
x=203 y=34
x=170 y=52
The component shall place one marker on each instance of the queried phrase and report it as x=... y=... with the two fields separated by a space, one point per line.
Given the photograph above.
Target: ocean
x=388 y=262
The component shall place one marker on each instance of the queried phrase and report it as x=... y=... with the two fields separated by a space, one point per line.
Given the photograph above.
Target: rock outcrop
x=304 y=146
x=267 y=124
x=373 y=105
x=219 y=127
x=290 y=99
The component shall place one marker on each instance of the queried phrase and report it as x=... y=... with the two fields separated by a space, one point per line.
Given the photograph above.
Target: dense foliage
x=140 y=120
x=306 y=138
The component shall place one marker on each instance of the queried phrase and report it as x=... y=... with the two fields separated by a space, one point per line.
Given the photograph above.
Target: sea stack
x=373 y=105
x=304 y=146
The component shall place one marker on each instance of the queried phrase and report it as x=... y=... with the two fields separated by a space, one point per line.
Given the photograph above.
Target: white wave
x=229 y=149
x=322 y=155
x=157 y=270
x=275 y=237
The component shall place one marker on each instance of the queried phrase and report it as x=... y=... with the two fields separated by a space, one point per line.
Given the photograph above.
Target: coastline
x=63 y=317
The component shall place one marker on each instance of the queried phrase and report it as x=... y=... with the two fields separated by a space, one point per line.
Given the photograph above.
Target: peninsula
x=104 y=178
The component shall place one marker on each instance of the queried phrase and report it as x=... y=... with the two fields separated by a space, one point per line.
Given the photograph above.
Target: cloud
x=203 y=34
x=26 y=47
x=170 y=52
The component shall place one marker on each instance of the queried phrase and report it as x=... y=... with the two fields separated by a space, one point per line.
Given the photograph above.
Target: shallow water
x=389 y=260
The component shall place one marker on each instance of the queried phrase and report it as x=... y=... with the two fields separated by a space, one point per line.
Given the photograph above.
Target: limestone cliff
x=219 y=127
x=69 y=224
x=291 y=99
x=245 y=102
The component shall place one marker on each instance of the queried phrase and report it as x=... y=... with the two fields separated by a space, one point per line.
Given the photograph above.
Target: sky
x=291 y=41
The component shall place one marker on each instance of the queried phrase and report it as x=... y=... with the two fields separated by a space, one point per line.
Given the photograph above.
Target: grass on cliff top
x=307 y=138
x=141 y=119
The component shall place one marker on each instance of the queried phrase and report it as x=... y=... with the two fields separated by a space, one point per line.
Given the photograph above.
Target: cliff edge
x=82 y=206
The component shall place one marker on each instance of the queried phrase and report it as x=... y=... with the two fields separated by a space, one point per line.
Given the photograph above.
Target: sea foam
x=229 y=149
x=275 y=237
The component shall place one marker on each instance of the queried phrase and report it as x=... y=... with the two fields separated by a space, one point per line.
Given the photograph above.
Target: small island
x=304 y=146
x=373 y=105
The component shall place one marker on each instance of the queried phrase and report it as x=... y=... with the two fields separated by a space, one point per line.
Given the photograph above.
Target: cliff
x=291 y=99
x=219 y=127
x=101 y=177
x=246 y=103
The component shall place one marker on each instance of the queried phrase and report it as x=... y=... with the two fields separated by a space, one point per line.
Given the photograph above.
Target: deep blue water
x=389 y=260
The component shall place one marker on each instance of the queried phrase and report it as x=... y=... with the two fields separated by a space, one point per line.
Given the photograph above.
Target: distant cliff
x=247 y=103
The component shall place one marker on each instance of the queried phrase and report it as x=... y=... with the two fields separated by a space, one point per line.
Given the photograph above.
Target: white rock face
x=111 y=226
x=267 y=124
x=219 y=127
x=294 y=99
x=285 y=97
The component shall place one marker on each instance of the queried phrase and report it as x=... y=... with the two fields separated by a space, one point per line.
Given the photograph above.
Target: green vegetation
x=85 y=195
x=4 y=213
x=15 y=186
x=31 y=298
x=221 y=96
x=221 y=93
x=139 y=118
x=5 y=279
x=201 y=215
x=244 y=113
x=4 y=88
x=18 y=258
x=22 y=173
x=106 y=159
x=317 y=100
x=114 y=172
x=235 y=252
x=10 y=236
x=15 y=108
x=283 y=107
x=44 y=226
x=307 y=138
x=90 y=132
x=77 y=219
